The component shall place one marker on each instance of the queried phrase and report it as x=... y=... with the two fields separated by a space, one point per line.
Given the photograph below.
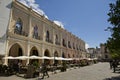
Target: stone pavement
x=100 y=71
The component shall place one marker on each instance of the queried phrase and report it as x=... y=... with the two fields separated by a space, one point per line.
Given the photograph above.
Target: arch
x=34 y=52
x=19 y=45
x=15 y=50
x=56 y=54
x=18 y=26
x=47 y=53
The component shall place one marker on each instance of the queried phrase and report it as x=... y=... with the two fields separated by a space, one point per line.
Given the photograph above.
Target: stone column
x=28 y=52
x=29 y=35
x=6 y=53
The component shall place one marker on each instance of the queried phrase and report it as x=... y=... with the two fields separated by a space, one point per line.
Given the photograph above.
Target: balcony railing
x=57 y=43
x=69 y=46
x=37 y=37
x=64 y=45
x=49 y=41
x=23 y=33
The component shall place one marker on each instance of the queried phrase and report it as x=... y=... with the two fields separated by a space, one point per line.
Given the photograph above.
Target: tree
x=113 y=42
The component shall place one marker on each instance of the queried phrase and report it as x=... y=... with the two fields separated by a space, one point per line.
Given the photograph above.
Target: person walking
x=114 y=65
x=44 y=71
x=111 y=62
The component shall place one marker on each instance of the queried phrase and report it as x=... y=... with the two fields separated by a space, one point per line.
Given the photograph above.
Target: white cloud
x=59 y=23
x=87 y=46
x=34 y=6
x=23 y=2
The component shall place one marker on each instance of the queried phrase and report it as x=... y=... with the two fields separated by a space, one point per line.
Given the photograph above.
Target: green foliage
x=35 y=64
x=113 y=43
x=64 y=66
x=114 y=14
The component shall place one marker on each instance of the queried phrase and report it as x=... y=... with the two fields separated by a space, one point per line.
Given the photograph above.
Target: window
x=69 y=44
x=47 y=36
x=35 y=32
x=77 y=47
x=56 y=39
x=73 y=46
x=63 y=42
x=68 y=55
x=106 y=50
x=18 y=26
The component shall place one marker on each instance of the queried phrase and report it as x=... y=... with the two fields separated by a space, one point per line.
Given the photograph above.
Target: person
x=111 y=64
x=20 y=65
x=30 y=71
x=114 y=65
x=44 y=70
x=15 y=67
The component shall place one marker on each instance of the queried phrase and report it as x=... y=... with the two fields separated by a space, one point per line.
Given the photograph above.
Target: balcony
x=57 y=43
x=49 y=40
x=37 y=37
x=69 y=46
x=23 y=33
x=64 y=45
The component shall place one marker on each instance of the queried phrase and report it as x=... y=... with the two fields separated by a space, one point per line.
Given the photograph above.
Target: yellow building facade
x=29 y=33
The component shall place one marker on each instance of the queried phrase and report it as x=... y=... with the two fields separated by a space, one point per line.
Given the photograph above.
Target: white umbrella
x=60 y=58
x=22 y=57
x=56 y=58
x=67 y=59
x=35 y=57
x=76 y=58
x=95 y=58
x=45 y=57
x=89 y=59
x=9 y=57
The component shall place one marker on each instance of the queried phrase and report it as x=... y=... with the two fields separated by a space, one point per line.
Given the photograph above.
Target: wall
x=5 y=7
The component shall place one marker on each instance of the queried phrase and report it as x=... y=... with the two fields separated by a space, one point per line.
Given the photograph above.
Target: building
x=105 y=55
x=101 y=53
x=24 y=32
x=98 y=53
x=91 y=51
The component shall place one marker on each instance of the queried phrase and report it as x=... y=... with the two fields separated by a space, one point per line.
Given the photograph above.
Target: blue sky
x=86 y=19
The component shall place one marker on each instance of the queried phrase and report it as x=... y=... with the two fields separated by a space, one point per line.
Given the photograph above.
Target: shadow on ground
x=113 y=78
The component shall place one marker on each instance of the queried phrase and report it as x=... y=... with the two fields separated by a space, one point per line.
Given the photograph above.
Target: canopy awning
x=35 y=57
x=22 y=57
x=9 y=57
